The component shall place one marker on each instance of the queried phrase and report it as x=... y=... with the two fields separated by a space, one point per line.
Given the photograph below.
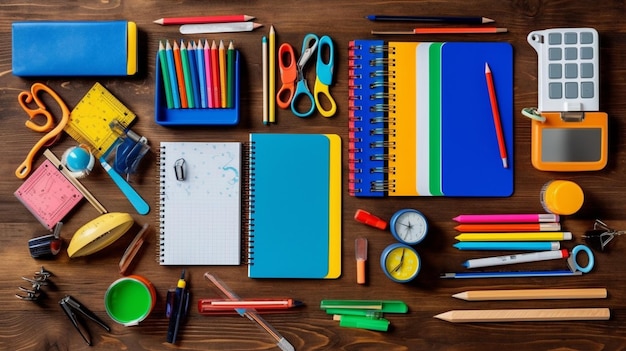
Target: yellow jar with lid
x=562 y=197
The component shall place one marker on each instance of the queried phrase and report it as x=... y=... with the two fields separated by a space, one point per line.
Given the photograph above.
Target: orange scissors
x=295 y=87
x=25 y=98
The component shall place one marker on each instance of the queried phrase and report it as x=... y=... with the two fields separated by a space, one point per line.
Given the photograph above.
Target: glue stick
x=561 y=197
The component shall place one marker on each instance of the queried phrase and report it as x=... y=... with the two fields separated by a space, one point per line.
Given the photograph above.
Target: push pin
x=600 y=236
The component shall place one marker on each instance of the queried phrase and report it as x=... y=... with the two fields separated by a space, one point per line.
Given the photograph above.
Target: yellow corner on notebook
x=334 y=208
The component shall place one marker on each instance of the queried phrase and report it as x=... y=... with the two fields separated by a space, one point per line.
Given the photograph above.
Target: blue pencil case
x=74 y=48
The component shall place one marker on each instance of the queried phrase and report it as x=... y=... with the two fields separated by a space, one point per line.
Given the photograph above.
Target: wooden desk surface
x=27 y=326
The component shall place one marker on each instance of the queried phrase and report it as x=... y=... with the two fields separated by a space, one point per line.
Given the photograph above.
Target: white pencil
x=518 y=258
x=219 y=27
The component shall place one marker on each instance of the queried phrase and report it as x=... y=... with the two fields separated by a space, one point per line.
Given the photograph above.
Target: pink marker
x=507 y=218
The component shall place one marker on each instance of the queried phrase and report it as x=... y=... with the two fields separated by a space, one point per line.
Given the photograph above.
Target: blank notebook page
x=200 y=215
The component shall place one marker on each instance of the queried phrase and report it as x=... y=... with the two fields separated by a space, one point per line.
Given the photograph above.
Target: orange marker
x=508 y=227
x=361 y=256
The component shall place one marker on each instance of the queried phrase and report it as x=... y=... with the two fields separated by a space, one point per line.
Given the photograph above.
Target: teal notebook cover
x=290 y=224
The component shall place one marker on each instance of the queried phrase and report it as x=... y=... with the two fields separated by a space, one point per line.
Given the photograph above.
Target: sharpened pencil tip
x=488 y=20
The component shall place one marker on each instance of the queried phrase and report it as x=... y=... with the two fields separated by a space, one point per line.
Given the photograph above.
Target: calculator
x=568 y=68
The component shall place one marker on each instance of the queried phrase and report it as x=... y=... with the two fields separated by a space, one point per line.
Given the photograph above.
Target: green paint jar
x=130 y=300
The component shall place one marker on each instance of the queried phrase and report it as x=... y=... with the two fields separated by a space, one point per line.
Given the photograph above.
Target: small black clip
x=69 y=306
x=179 y=169
x=600 y=236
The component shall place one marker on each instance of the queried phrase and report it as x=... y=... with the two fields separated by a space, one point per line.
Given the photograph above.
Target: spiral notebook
x=200 y=203
x=420 y=119
x=295 y=206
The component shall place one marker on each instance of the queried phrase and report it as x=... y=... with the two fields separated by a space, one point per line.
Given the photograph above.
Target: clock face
x=400 y=263
x=409 y=226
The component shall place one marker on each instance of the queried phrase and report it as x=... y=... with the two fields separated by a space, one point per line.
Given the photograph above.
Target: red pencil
x=203 y=19
x=447 y=30
x=496 y=115
x=508 y=227
x=215 y=69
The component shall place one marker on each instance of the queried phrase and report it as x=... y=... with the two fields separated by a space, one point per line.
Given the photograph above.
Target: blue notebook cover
x=74 y=48
x=470 y=159
x=294 y=231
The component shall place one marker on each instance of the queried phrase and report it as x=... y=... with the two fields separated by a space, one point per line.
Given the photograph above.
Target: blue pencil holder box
x=171 y=117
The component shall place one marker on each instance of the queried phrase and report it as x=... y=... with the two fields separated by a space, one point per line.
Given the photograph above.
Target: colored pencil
x=265 y=80
x=515 y=259
x=532 y=294
x=169 y=53
x=495 y=111
x=184 y=58
x=166 y=21
x=508 y=245
x=223 y=77
x=526 y=315
x=432 y=19
x=165 y=72
x=193 y=73
x=272 y=75
x=230 y=81
x=450 y=30
x=515 y=236
x=230 y=27
x=507 y=218
x=511 y=274
x=215 y=71
x=208 y=66
x=180 y=77
x=201 y=74
x=508 y=227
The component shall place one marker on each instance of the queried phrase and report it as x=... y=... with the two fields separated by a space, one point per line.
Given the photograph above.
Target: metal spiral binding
x=248 y=205
x=369 y=96
x=161 y=203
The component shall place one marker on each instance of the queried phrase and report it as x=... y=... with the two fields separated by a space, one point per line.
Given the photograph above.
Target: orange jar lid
x=562 y=197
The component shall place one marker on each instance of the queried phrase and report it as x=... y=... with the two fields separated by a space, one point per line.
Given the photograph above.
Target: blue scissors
x=294 y=90
x=324 y=72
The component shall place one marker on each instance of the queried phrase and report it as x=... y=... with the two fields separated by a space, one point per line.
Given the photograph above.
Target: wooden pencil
x=532 y=294
x=526 y=315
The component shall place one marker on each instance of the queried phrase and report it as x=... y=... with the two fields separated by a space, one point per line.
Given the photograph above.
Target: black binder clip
x=70 y=306
x=600 y=236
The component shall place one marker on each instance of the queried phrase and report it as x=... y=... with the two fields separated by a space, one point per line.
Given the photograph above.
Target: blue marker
x=513 y=245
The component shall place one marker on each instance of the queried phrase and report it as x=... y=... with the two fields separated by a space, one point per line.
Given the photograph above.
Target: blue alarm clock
x=409 y=226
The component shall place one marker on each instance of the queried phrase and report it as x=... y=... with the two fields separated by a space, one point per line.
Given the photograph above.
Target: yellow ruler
x=90 y=119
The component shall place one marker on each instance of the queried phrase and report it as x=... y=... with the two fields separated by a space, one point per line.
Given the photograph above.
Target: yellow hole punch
x=99 y=233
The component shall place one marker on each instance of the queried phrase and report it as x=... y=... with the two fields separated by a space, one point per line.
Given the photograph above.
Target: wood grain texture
x=29 y=326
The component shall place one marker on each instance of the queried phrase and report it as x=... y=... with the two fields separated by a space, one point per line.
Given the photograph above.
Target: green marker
x=386 y=306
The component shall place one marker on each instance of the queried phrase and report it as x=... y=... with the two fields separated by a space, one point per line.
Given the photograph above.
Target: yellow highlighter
x=522 y=236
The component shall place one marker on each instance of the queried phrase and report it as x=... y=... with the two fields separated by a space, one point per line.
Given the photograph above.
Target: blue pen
x=179 y=305
x=173 y=79
x=513 y=245
x=511 y=274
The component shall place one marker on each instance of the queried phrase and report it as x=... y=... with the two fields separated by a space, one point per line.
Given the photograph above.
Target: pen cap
x=378 y=324
x=562 y=197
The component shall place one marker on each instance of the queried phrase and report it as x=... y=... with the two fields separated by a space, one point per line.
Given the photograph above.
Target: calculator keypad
x=568 y=68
